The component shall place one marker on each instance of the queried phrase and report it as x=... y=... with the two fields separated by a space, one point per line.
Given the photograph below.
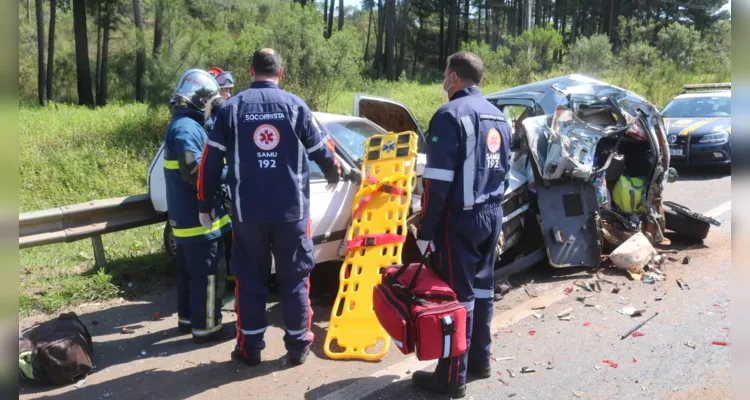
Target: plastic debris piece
x=567 y=318
x=507 y=331
x=107 y=395
x=532 y=333
x=597 y=367
x=567 y=290
x=143 y=352
x=650 y=280
x=634 y=253
x=126 y=330
x=637 y=334
x=80 y=383
x=506 y=359
x=635 y=361
x=539 y=308
x=682 y=284
x=616 y=290
x=510 y=373
x=156 y=316
x=610 y=363
x=690 y=344
x=577 y=393
x=635 y=276
x=500 y=373
x=549 y=365
x=587 y=323
x=631 y=311
x=511 y=394
x=526 y=370
x=565 y=312
x=530 y=291
x=720 y=343
x=686 y=260
x=538 y=316
x=504 y=383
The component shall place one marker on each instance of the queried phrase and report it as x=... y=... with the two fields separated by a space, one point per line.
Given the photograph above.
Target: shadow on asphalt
x=702 y=173
x=328 y=388
x=160 y=384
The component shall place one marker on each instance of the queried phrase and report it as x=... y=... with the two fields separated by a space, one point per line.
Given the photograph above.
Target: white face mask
x=445 y=90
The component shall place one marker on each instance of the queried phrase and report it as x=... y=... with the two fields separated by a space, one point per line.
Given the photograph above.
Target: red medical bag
x=420 y=312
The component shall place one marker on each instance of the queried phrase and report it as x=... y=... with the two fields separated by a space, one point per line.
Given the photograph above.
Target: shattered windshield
x=352 y=135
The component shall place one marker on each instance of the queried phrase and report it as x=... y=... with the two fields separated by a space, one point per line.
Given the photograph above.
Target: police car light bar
x=706 y=86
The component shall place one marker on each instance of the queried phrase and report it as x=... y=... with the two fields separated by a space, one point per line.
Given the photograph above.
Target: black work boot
x=225 y=333
x=184 y=328
x=300 y=359
x=429 y=382
x=252 y=359
x=479 y=371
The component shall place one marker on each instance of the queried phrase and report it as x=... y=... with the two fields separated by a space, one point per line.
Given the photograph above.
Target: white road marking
x=403 y=370
x=715 y=212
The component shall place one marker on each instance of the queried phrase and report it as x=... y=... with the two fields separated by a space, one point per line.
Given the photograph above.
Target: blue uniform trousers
x=291 y=246
x=197 y=304
x=465 y=244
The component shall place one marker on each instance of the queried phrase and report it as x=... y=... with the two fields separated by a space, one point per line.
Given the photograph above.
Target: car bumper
x=701 y=154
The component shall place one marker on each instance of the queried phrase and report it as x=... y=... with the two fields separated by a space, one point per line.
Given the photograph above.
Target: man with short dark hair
x=267 y=136
x=467 y=159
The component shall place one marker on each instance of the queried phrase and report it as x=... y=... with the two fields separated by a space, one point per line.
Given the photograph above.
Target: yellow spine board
x=354 y=327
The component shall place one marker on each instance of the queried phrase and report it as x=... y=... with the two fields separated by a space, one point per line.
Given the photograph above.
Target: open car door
x=389 y=115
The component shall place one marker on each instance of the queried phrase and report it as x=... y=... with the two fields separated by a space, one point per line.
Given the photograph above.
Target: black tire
x=170 y=245
x=686 y=226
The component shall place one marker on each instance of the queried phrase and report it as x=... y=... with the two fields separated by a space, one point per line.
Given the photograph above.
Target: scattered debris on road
x=682 y=284
x=718 y=343
x=631 y=311
x=690 y=344
x=634 y=253
x=80 y=383
x=107 y=395
x=686 y=260
x=565 y=313
x=567 y=290
x=635 y=328
x=504 y=383
x=538 y=316
x=637 y=334
x=587 y=323
x=549 y=365
x=527 y=370
x=610 y=363
x=156 y=316
x=577 y=393
x=532 y=333
x=510 y=373
x=143 y=352
x=506 y=359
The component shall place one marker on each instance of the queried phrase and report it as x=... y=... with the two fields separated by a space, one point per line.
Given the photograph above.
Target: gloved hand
x=426 y=247
x=206 y=219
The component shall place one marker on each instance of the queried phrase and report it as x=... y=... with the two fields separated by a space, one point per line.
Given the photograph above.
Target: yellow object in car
x=374 y=240
x=629 y=193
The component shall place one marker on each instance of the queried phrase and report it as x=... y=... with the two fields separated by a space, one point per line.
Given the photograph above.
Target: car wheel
x=170 y=245
x=685 y=226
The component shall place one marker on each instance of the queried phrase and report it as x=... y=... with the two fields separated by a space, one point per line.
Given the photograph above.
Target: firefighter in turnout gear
x=267 y=136
x=199 y=248
x=468 y=151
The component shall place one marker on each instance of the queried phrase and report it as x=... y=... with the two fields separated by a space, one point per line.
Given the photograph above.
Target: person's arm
x=320 y=148
x=212 y=170
x=442 y=159
x=188 y=146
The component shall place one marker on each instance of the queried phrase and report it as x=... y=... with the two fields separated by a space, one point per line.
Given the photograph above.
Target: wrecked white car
x=588 y=168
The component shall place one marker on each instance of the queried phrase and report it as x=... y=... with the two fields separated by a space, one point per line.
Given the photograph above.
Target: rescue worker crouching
x=267 y=135
x=199 y=249
x=461 y=221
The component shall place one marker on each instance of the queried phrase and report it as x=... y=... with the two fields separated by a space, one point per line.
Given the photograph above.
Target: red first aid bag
x=420 y=312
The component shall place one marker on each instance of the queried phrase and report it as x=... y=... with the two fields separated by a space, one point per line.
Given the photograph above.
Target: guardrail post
x=98 y=251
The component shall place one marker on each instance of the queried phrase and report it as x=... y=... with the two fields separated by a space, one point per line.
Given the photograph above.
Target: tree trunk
x=83 y=69
x=420 y=35
x=158 y=33
x=369 y=26
x=479 y=21
x=390 y=39
x=325 y=15
x=28 y=11
x=495 y=29
x=341 y=14
x=404 y=34
x=140 y=55
x=537 y=12
x=441 y=55
x=51 y=48
x=466 y=21
x=487 y=22
x=97 y=68
x=41 y=73
x=330 y=18
x=453 y=27
x=102 y=96
x=378 y=65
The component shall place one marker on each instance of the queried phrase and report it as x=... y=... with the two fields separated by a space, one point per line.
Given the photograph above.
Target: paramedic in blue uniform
x=467 y=159
x=199 y=249
x=267 y=136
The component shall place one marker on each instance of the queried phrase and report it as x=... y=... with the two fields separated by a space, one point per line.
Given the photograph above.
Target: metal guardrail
x=86 y=220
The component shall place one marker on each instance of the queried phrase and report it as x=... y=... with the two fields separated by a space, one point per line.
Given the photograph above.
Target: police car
x=699 y=125
x=330 y=212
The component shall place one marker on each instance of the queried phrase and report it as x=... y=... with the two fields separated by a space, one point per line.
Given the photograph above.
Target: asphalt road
x=156 y=362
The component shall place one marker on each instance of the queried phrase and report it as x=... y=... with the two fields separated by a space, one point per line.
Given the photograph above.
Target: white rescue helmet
x=196 y=88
